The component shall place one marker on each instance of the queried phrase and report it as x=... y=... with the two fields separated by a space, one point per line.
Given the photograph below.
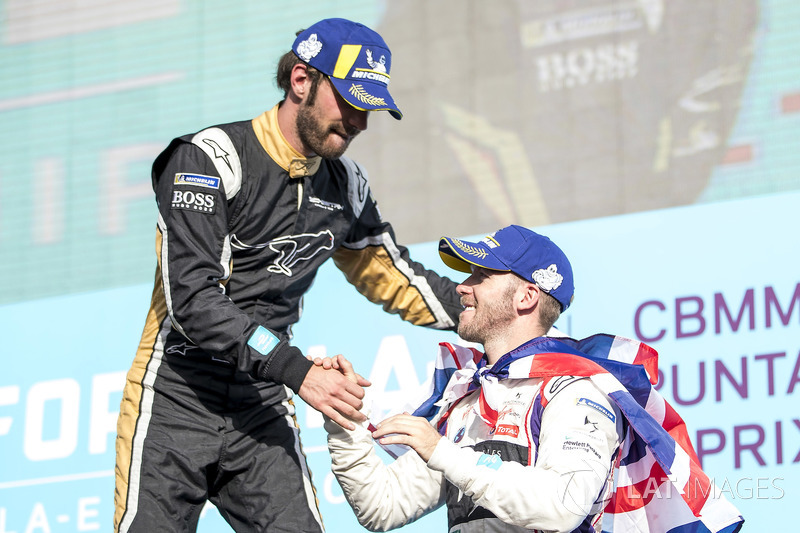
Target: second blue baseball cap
x=356 y=60
x=519 y=250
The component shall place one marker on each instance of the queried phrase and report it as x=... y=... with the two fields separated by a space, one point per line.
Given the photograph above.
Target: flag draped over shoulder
x=658 y=483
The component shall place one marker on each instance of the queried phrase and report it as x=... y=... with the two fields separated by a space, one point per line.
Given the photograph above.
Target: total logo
x=511 y=431
x=193 y=201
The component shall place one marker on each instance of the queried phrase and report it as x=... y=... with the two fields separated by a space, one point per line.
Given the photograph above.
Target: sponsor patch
x=597 y=407
x=558 y=383
x=180 y=349
x=378 y=66
x=370 y=75
x=309 y=48
x=579 y=445
x=548 y=278
x=194 y=201
x=262 y=340
x=324 y=204
x=490 y=461
x=210 y=182
x=511 y=431
x=508 y=411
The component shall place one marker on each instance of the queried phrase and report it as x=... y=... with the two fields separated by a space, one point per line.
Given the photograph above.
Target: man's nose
x=357 y=118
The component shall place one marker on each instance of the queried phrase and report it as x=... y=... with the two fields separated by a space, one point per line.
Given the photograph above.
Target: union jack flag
x=659 y=485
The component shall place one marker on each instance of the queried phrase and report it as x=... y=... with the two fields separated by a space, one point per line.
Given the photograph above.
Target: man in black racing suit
x=248 y=212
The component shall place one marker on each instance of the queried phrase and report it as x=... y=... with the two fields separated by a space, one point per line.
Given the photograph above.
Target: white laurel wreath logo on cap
x=548 y=278
x=309 y=48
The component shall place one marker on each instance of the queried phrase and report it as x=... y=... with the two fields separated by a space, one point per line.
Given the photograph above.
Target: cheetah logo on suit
x=291 y=249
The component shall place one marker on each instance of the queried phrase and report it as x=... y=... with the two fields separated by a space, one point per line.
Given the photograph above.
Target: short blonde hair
x=549 y=307
x=549 y=310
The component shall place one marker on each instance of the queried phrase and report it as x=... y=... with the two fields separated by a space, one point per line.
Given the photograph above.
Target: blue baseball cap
x=519 y=250
x=355 y=59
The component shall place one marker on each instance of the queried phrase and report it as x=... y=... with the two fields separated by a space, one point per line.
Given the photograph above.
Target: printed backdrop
x=655 y=141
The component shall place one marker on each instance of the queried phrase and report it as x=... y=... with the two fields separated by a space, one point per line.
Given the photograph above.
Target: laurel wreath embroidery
x=471 y=250
x=363 y=96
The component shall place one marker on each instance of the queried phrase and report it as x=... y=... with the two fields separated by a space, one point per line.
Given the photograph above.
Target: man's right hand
x=333 y=394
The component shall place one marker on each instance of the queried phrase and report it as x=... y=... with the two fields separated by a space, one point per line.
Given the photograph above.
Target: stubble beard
x=488 y=320
x=316 y=135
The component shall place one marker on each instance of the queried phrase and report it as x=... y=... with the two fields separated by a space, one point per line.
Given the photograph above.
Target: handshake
x=346 y=403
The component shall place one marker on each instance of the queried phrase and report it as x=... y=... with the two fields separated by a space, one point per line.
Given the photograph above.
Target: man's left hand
x=413 y=431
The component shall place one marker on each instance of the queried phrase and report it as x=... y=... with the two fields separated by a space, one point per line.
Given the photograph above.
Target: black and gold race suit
x=244 y=223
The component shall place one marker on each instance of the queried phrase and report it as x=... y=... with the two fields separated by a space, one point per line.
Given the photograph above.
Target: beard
x=321 y=138
x=489 y=319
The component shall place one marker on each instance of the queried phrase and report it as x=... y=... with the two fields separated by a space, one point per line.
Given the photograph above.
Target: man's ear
x=300 y=82
x=529 y=296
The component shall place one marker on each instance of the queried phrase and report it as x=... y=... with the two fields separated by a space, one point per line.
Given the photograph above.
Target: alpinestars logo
x=362 y=184
x=219 y=152
x=180 y=349
x=291 y=249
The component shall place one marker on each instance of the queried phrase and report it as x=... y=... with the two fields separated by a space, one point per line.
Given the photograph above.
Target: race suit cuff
x=459 y=464
x=444 y=454
x=287 y=365
x=340 y=434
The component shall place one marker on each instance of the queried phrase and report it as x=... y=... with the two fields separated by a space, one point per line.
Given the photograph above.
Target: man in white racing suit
x=542 y=432
x=518 y=452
